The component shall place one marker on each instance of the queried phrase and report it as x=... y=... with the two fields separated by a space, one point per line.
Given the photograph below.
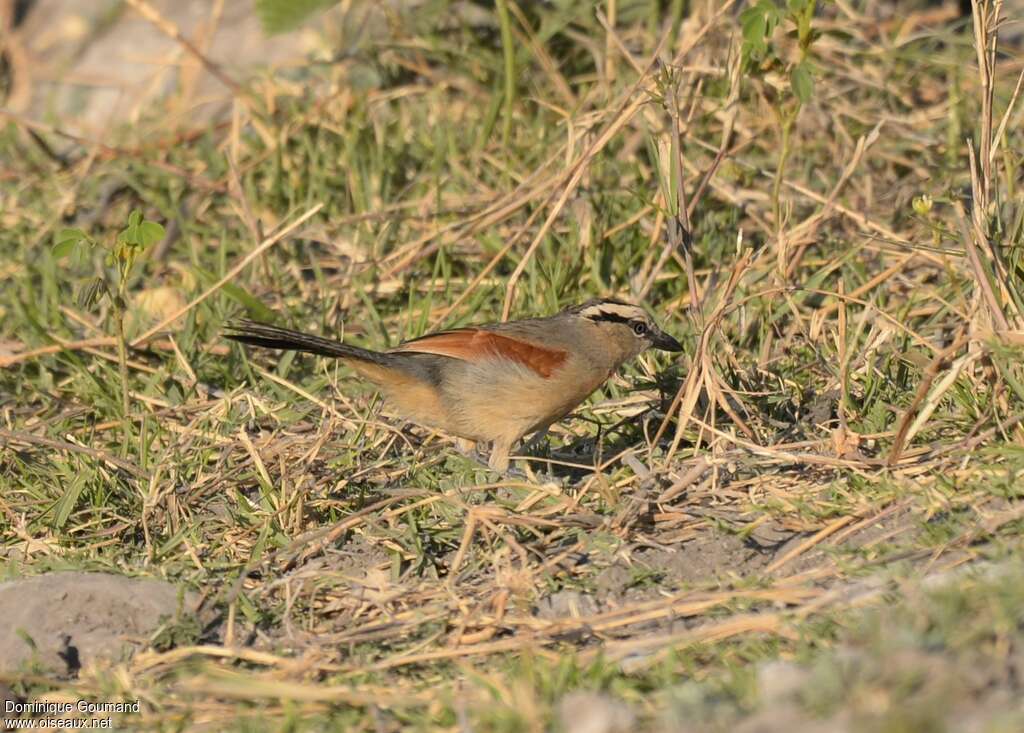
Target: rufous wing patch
x=473 y=344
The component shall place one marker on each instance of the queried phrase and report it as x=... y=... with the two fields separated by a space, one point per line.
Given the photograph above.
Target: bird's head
x=627 y=327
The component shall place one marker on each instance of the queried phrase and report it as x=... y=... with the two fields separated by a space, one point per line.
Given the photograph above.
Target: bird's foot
x=469 y=449
x=500 y=464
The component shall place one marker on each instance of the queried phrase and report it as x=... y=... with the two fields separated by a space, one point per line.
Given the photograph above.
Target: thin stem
x=124 y=268
x=509 y=52
x=787 y=118
x=122 y=363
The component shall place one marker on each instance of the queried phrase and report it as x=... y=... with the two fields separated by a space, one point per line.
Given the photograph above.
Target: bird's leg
x=471 y=450
x=535 y=440
x=532 y=445
x=499 y=455
x=499 y=460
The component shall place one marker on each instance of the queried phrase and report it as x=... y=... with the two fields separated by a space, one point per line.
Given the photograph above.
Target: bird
x=493 y=383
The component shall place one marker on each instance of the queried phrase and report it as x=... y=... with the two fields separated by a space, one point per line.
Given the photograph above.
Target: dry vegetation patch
x=822 y=203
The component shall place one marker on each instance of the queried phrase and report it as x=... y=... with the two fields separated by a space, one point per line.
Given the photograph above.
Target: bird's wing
x=476 y=344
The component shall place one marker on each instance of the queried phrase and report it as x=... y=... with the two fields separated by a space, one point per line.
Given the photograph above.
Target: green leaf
x=27 y=638
x=252 y=305
x=127 y=236
x=757 y=23
x=64 y=248
x=772 y=15
x=65 y=241
x=150 y=232
x=66 y=504
x=278 y=16
x=753 y=24
x=802 y=82
x=130 y=234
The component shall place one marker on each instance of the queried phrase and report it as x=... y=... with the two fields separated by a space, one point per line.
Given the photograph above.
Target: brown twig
x=933 y=370
x=171 y=30
x=18 y=436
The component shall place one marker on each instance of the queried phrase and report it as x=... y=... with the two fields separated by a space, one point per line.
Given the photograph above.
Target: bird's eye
x=640 y=328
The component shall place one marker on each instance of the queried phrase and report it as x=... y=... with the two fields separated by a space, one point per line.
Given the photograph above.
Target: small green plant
x=760 y=57
x=122 y=254
x=183 y=629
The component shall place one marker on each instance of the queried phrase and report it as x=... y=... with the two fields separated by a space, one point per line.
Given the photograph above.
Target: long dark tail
x=274 y=337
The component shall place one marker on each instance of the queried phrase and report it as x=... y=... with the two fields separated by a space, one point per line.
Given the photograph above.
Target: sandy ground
x=58 y=623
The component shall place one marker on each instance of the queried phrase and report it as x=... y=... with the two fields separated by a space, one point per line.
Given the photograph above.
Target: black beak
x=661 y=340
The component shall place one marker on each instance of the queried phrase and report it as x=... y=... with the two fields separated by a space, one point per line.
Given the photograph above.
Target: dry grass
x=845 y=273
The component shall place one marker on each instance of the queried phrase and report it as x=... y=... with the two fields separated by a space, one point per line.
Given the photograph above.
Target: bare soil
x=59 y=622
